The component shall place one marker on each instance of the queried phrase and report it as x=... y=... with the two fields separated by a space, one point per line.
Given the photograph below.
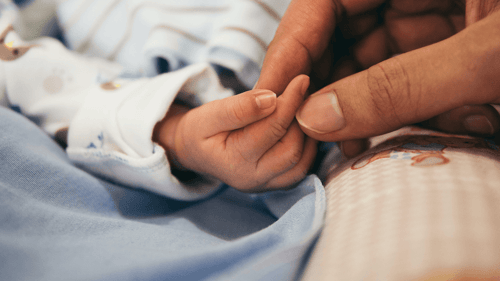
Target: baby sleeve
x=111 y=135
x=110 y=120
x=44 y=81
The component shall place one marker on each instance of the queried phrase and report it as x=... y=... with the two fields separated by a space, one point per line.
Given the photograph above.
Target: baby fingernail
x=478 y=124
x=266 y=99
x=321 y=113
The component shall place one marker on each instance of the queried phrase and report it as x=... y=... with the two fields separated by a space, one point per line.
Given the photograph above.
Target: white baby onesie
x=110 y=119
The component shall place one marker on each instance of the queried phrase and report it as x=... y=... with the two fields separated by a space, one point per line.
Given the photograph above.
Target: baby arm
x=249 y=141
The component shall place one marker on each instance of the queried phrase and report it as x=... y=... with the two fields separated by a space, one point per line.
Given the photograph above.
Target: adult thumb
x=409 y=88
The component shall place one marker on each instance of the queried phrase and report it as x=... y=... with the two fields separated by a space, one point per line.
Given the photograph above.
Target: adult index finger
x=302 y=37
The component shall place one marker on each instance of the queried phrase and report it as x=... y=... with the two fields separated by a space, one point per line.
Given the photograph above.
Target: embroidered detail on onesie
x=100 y=137
x=9 y=53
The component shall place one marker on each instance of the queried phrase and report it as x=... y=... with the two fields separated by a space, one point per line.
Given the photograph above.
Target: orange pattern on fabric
x=430 y=149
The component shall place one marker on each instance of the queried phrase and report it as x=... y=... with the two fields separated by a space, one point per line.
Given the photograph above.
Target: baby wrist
x=165 y=131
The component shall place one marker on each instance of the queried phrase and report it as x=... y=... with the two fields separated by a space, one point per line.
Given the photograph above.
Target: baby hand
x=249 y=141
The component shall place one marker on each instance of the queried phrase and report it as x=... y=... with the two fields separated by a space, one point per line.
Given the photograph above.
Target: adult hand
x=446 y=74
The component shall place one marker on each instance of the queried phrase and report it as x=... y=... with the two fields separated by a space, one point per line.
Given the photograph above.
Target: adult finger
x=357 y=26
x=401 y=33
x=409 y=88
x=352 y=148
x=470 y=119
x=410 y=32
x=349 y=148
x=302 y=37
x=475 y=119
x=372 y=49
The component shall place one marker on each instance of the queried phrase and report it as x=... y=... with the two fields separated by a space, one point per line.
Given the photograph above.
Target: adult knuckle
x=389 y=89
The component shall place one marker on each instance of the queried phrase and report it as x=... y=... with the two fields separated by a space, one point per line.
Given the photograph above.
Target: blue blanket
x=58 y=222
